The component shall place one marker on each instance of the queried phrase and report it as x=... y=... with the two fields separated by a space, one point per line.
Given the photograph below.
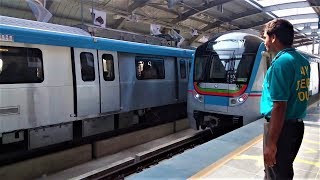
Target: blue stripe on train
x=34 y=36
x=216 y=100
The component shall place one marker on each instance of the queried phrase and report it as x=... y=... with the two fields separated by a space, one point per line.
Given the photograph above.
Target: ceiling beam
x=164 y=9
x=245 y=14
x=27 y=10
x=300 y=36
x=197 y=10
x=220 y=21
x=314 y=2
x=212 y=25
x=176 y=13
x=135 y=5
x=232 y=18
x=301 y=41
x=303 y=24
x=302 y=44
x=255 y=24
x=309 y=30
x=49 y=4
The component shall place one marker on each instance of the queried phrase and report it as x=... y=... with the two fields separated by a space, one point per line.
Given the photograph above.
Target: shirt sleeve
x=281 y=78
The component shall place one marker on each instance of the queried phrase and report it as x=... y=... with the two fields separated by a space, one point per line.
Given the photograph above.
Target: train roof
x=27 y=31
x=235 y=41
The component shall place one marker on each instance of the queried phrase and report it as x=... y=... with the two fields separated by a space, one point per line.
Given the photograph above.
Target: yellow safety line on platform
x=208 y=170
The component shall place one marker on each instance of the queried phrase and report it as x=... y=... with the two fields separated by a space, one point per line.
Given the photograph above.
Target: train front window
x=226 y=60
x=224 y=68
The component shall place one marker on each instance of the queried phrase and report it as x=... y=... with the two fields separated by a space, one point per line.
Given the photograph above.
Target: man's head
x=278 y=34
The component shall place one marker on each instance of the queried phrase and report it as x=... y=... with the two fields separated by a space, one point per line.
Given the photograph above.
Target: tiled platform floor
x=249 y=164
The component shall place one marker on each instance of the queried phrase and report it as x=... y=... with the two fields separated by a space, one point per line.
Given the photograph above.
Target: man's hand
x=269 y=155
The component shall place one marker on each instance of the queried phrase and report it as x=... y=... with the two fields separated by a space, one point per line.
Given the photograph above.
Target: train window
x=87 y=66
x=224 y=68
x=108 y=67
x=183 y=69
x=218 y=69
x=149 y=68
x=199 y=67
x=20 y=65
x=243 y=70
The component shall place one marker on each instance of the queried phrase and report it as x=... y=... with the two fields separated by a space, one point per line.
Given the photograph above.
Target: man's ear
x=273 y=38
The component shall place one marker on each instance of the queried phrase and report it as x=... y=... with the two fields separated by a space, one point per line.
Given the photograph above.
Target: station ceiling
x=195 y=20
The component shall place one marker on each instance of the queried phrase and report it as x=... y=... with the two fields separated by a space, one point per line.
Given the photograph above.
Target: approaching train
x=58 y=83
x=226 y=77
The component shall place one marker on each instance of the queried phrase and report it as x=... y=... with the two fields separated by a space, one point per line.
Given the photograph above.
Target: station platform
x=238 y=154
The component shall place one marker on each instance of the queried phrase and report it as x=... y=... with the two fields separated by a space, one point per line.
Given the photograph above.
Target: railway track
x=143 y=160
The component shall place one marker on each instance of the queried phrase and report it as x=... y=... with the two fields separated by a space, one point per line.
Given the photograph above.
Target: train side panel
x=151 y=89
x=29 y=105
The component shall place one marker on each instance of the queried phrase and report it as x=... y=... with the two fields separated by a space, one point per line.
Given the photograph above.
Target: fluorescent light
x=266 y=3
x=293 y=11
x=299 y=21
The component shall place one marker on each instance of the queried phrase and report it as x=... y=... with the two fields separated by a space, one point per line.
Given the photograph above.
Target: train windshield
x=224 y=61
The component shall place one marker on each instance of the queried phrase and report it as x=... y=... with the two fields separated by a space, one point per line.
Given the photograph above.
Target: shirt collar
x=282 y=52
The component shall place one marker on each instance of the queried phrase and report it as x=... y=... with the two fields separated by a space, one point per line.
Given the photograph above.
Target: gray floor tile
x=230 y=172
x=305 y=167
x=300 y=174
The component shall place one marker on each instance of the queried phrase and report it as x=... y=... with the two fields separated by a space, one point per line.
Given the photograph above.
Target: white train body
x=226 y=78
x=52 y=76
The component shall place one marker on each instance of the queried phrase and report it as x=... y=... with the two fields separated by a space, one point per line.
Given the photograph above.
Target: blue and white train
x=58 y=83
x=225 y=82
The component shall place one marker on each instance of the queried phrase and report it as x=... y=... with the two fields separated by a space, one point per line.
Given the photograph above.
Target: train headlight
x=198 y=97
x=233 y=101
x=238 y=100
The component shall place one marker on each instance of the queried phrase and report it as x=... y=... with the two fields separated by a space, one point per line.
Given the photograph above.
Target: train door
x=109 y=81
x=87 y=82
x=183 y=78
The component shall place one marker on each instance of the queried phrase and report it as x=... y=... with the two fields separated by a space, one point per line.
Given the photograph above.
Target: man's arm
x=275 y=127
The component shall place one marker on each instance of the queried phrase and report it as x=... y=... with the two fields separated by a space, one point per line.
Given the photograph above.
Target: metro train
x=226 y=77
x=59 y=82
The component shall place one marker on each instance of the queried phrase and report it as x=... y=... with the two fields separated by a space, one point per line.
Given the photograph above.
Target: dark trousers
x=287 y=148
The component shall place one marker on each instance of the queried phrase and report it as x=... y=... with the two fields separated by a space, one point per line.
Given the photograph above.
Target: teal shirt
x=287 y=79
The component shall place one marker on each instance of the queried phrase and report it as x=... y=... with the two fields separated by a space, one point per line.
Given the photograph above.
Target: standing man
x=284 y=100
